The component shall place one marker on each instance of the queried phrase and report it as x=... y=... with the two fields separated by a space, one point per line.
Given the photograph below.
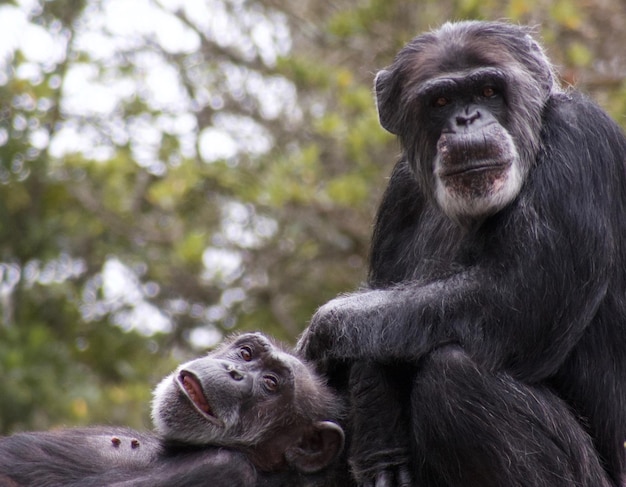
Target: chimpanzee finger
x=404 y=477
x=384 y=479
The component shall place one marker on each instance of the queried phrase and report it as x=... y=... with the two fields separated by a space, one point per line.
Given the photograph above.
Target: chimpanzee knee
x=475 y=427
x=445 y=372
x=451 y=358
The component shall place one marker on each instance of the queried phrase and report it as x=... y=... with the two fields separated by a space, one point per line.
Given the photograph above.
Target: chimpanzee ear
x=317 y=448
x=387 y=91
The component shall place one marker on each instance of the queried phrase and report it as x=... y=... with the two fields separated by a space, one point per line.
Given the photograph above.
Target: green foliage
x=579 y=55
x=566 y=13
x=358 y=19
x=288 y=211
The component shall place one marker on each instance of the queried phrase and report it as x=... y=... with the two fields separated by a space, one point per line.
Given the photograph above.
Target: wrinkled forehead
x=259 y=341
x=454 y=49
x=302 y=377
x=273 y=356
x=292 y=362
x=298 y=370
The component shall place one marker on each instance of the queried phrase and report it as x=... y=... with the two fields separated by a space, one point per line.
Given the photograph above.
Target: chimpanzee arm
x=212 y=466
x=119 y=457
x=471 y=309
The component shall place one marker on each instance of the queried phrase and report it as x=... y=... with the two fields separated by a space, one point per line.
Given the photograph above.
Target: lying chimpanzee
x=248 y=414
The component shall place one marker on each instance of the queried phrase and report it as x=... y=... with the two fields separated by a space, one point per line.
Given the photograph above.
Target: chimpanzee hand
x=383 y=468
x=398 y=477
x=344 y=327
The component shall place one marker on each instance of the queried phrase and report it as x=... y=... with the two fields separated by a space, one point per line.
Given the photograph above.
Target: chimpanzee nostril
x=467 y=119
x=233 y=372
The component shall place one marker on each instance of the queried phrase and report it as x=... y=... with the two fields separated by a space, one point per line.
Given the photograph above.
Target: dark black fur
x=87 y=458
x=256 y=416
x=507 y=332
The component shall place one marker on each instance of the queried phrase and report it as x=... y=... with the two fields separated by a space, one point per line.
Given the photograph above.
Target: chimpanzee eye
x=270 y=382
x=441 y=101
x=489 y=91
x=246 y=353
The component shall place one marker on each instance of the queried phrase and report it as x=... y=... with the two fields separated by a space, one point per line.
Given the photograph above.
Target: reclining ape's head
x=251 y=395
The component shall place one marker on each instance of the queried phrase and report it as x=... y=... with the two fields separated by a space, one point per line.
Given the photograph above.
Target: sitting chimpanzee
x=490 y=346
x=248 y=414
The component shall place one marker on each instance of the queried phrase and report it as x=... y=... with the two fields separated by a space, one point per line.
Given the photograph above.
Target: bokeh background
x=175 y=170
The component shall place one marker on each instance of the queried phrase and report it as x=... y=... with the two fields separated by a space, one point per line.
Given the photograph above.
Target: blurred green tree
x=182 y=169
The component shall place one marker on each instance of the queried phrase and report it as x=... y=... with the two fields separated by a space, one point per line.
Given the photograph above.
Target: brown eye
x=442 y=101
x=489 y=91
x=246 y=353
x=271 y=383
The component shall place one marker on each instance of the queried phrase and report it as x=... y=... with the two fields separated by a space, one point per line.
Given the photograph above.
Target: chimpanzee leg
x=476 y=428
x=380 y=447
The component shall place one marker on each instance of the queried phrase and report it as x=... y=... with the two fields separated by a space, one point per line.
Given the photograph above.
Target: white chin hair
x=460 y=205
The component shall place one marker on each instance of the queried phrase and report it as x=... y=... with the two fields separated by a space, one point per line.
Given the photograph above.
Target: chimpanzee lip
x=474 y=168
x=192 y=388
